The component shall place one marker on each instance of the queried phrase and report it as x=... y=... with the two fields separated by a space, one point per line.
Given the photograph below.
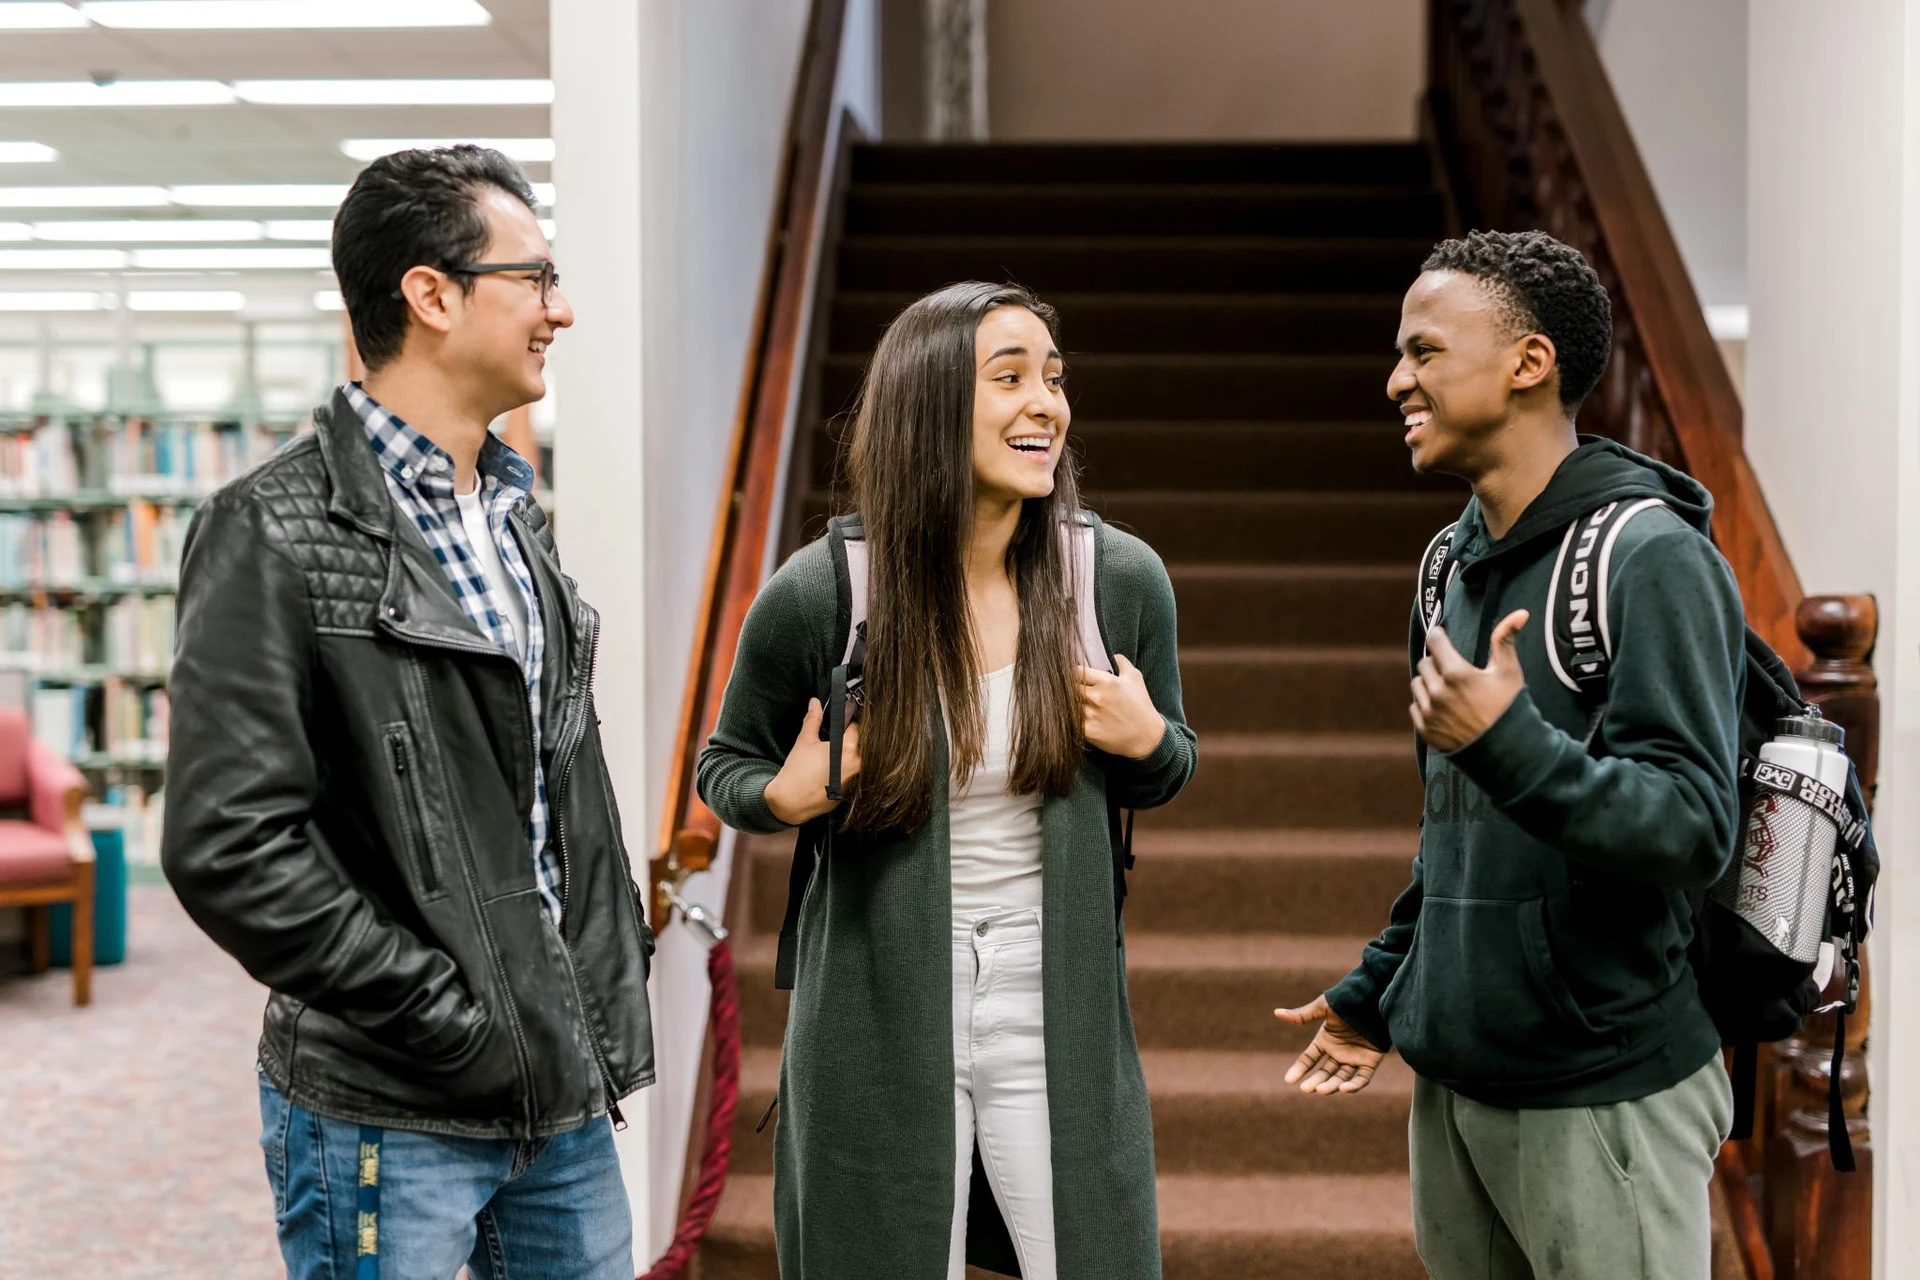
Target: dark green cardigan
x=864 y=1153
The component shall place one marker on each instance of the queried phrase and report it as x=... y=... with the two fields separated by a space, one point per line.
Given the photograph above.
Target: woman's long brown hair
x=911 y=465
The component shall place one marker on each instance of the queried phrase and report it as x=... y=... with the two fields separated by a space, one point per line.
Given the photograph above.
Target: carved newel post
x=1819 y=1221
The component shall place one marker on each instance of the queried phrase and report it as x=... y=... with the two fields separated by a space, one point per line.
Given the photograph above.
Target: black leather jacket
x=347 y=802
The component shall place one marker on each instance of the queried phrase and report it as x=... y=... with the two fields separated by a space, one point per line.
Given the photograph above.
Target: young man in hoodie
x=1570 y=1096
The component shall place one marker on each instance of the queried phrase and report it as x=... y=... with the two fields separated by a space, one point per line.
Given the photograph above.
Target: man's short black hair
x=1545 y=287
x=406 y=210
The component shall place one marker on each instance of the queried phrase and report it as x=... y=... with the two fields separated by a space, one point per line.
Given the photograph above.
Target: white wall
x=669 y=118
x=1139 y=69
x=1833 y=429
x=1680 y=72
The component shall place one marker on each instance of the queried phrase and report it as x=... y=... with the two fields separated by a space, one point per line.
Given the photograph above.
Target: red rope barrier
x=725 y=1098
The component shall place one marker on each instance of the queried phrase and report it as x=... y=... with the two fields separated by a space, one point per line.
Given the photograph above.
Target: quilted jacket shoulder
x=345 y=568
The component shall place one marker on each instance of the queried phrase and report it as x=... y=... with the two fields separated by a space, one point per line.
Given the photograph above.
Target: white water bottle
x=1783 y=879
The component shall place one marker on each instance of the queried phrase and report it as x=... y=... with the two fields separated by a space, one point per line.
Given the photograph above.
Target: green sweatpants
x=1616 y=1192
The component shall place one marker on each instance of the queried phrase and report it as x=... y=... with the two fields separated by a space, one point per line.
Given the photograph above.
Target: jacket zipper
x=410 y=814
x=486 y=929
x=566 y=882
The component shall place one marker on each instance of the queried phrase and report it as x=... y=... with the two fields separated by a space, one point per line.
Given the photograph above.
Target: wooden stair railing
x=1528 y=134
x=746 y=528
x=1531 y=135
x=743 y=538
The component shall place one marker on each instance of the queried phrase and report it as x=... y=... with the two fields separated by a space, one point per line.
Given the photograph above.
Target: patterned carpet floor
x=132 y=1127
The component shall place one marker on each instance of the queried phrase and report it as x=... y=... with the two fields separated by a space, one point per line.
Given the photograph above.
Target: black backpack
x=846 y=692
x=1755 y=994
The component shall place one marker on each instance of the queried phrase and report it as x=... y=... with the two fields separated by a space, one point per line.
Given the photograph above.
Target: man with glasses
x=388 y=798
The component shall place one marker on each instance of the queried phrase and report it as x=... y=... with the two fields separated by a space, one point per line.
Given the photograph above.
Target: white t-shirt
x=995 y=836
x=500 y=585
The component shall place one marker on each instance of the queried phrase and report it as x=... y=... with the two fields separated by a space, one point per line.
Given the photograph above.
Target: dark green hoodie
x=1539 y=959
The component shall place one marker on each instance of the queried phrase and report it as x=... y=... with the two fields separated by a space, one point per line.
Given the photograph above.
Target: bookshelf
x=93 y=511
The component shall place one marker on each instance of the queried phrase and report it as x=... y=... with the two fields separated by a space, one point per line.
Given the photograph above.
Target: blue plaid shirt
x=420 y=478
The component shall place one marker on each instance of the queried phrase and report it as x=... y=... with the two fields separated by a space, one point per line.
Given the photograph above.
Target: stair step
x=1382 y=165
x=1212 y=1113
x=1121 y=387
x=1209 y=456
x=1188 y=991
x=1198 y=880
x=1250 y=1227
x=1108 y=323
x=1315 y=604
x=1158 y=264
x=1300 y=780
x=1248 y=689
x=1285 y=527
x=1136 y=209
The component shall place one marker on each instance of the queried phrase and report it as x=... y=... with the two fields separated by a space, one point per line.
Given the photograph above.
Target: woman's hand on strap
x=1117 y=713
x=798 y=793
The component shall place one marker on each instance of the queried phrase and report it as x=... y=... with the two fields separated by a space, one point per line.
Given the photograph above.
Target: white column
x=599 y=377
x=1833 y=429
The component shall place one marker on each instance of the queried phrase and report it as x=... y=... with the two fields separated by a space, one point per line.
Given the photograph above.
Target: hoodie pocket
x=1480 y=997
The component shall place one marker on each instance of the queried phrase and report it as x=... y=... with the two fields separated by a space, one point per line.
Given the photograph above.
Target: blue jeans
x=357 y=1203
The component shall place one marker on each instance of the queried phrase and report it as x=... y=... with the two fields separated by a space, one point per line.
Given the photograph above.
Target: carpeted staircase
x=1229 y=314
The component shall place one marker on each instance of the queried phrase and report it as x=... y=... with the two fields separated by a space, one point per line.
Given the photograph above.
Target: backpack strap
x=1082 y=536
x=1438 y=565
x=1580 y=636
x=846 y=541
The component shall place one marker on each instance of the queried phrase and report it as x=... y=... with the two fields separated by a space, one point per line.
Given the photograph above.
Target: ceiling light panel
x=62 y=259
x=186 y=300
x=396 y=93
x=27 y=153
x=61 y=300
x=226 y=259
x=15 y=231
x=39 y=15
x=282 y=15
x=118 y=93
x=329 y=300
x=83 y=197
x=300 y=229
x=524 y=150
x=150 y=231
x=261 y=195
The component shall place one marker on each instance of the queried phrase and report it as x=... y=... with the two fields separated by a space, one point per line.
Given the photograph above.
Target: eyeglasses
x=549 y=276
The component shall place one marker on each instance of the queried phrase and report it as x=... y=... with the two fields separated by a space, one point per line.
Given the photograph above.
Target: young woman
x=959 y=983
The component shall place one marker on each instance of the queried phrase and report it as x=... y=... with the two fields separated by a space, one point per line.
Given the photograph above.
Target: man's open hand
x=1454 y=701
x=1338 y=1061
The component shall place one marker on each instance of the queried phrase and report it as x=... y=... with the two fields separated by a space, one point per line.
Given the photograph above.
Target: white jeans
x=1000 y=1084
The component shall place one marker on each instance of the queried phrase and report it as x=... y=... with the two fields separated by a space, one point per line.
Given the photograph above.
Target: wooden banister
x=1529 y=134
x=737 y=556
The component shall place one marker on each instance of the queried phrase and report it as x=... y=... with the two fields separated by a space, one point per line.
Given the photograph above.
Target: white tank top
x=995 y=837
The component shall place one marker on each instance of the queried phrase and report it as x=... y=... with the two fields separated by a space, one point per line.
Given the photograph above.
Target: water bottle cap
x=1811 y=725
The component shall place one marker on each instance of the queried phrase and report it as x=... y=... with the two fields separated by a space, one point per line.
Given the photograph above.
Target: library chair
x=46 y=856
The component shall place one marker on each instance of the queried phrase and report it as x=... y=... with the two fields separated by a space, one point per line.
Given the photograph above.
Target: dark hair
x=406 y=210
x=911 y=467
x=1546 y=287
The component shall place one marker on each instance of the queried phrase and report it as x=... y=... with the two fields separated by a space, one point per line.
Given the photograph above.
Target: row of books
x=142 y=456
x=138 y=634
x=38 y=463
x=137 y=543
x=136 y=637
x=39 y=638
x=133 y=456
x=114 y=720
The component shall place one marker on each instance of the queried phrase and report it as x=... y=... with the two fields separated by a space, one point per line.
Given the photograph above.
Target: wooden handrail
x=1532 y=136
x=737 y=556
